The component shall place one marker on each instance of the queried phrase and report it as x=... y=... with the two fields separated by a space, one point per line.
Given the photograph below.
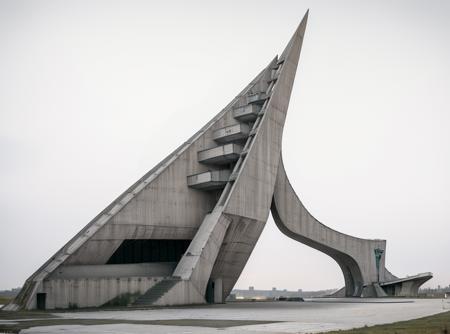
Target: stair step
x=156 y=292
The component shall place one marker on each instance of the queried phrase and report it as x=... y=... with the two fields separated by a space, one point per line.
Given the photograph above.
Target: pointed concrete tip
x=304 y=19
x=298 y=35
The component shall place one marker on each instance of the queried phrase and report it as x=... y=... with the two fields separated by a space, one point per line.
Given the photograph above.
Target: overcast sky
x=95 y=93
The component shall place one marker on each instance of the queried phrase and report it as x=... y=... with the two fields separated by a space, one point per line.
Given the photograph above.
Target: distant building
x=251 y=293
x=10 y=293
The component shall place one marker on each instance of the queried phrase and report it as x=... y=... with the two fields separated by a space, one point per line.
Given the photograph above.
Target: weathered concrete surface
x=92 y=292
x=196 y=265
x=159 y=269
x=248 y=204
x=232 y=133
x=405 y=287
x=355 y=256
x=158 y=206
x=214 y=179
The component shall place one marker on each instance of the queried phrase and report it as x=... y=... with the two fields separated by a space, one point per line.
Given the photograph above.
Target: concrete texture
x=354 y=256
x=232 y=133
x=217 y=190
x=160 y=269
x=209 y=180
x=93 y=292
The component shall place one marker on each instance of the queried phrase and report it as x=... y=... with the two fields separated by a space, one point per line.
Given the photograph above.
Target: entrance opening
x=210 y=292
x=40 y=301
x=390 y=290
x=149 y=250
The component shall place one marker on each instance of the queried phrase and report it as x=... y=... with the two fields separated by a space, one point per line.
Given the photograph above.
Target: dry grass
x=435 y=324
x=4 y=300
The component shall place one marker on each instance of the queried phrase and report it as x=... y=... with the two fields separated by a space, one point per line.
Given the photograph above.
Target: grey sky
x=95 y=93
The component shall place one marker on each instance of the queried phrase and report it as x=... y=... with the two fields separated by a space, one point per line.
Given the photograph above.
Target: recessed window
x=149 y=250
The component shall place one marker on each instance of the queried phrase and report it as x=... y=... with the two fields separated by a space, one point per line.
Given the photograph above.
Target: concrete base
x=405 y=287
x=184 y=292
x=74 y=293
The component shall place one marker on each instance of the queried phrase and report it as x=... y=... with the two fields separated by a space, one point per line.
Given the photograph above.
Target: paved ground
x=311 y=316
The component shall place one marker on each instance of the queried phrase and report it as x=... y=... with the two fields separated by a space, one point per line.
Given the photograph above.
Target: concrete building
x=183 y=233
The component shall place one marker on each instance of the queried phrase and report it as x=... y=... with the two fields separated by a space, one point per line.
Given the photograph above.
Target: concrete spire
x=297 y=37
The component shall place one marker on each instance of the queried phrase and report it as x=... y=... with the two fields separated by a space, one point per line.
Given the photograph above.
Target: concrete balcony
x=210 y=180
x=247 y=113
x=256 y=98
x=220 y=155
x=231 y=133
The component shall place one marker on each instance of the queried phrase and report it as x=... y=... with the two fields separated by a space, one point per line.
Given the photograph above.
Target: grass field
x=4 y=300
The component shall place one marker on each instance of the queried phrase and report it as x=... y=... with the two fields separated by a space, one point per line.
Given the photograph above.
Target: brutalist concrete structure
x=183 y=233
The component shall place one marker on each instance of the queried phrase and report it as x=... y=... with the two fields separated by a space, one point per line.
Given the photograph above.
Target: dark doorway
x=40 y=301
x=210 y=292
x=390 y=290
x=149 y=250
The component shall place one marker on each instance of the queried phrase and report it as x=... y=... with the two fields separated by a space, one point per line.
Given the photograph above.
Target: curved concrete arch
x=355 y=256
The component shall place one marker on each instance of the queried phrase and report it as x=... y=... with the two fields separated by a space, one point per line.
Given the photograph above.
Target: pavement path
x=311 y=316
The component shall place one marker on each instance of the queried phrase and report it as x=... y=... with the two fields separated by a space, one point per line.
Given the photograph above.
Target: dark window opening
x=150 y=250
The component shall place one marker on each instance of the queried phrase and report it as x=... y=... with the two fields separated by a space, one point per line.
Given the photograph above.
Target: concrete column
x=218 y=291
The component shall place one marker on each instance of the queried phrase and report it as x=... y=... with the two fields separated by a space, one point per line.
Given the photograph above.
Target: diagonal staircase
x=156 y=292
